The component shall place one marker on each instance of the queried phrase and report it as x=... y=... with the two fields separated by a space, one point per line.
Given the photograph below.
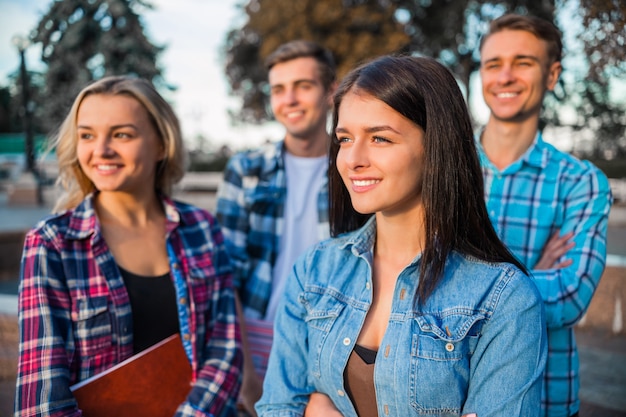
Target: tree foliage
x=353 y=33
x=84 y=40
x=449 y=30
x=357 y=30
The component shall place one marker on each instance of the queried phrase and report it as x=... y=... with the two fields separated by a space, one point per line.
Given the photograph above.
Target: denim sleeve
x=506 y=368
x=43 y=375
x=286 y=388
x=567 y=292
x=233 y=217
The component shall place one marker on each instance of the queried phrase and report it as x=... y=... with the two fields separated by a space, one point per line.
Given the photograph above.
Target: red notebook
x=152 y=383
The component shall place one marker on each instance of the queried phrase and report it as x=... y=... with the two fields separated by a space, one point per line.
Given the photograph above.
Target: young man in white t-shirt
x=273 y=201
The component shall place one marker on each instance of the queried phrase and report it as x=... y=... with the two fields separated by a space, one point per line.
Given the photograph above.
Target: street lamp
x=21 y=43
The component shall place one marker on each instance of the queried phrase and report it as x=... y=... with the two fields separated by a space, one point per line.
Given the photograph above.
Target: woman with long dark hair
x=414 y=306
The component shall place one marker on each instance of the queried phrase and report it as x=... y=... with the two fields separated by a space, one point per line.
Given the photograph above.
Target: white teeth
x=507 y=95
x=106 y=167
x=364 y=183
x=294 y=114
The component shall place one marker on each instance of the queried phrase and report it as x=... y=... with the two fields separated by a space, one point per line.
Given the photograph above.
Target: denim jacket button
x=449 y=347
x=367 y=285
x=346 y=341
x=340 y=393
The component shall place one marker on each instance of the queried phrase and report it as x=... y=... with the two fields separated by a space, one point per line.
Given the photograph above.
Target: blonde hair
x=75 y=184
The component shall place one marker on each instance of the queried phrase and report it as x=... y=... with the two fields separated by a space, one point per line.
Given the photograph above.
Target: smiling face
x=516 y=72
x=380 y=157
x=298 y=98
x=118 y=147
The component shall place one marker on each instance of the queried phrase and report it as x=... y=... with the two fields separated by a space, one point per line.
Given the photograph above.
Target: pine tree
x=84 y=40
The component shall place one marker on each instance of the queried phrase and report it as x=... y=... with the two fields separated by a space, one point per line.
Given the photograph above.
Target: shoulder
x=468 y=278
x=572 y=166
x=256 y=161
x=191 y=215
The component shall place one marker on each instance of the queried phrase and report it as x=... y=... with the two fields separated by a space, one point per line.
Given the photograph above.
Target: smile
x=364 y=183
x=507 y=95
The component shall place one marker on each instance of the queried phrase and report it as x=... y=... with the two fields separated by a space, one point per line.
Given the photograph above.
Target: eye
x=122 y=135
x=342 y=139
x=380 y=139
x=85 y=135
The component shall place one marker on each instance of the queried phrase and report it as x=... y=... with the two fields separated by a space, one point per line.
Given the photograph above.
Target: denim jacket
x=478 y=343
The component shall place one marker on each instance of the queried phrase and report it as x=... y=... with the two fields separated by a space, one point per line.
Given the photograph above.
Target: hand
x=251 y=390
x=320 y=405
x=556 y=247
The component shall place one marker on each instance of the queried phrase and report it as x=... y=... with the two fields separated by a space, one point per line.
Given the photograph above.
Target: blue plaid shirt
x=546 y=191
x=75 y=319
x=250 y=207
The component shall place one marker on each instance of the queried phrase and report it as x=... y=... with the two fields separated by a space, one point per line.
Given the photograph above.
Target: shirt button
x=186 y=336
x=340 y=393
x=182 y=300
x=175 y=266
x=346 y=341
x=368 y=285
x=449 y=347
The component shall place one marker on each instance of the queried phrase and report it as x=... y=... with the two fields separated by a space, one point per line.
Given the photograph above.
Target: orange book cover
x=152 y=383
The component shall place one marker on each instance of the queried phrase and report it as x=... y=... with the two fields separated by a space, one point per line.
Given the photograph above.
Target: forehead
x=109 y=107
x=305 y=68
x=513 y=43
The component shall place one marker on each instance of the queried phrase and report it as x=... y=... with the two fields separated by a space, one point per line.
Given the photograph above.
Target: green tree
x=449 y=30
x=84 y=40
x=355 y=33
x=357 y=30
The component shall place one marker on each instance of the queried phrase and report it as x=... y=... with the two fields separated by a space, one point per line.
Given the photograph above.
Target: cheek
x=82 y=154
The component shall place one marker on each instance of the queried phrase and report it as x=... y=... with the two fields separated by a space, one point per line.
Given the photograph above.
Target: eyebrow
x=515 y=58
x=299 y=81
x=372 y=129
x=131 y=125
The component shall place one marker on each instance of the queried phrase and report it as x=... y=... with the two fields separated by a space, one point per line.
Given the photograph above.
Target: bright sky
x=192 y=31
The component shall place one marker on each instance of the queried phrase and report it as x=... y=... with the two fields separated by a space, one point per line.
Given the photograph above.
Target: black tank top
x=359 y=381
x=153 y=306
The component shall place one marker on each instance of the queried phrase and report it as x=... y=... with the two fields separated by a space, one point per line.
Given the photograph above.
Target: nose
x=290 y=96
x=354 y=156
x=506 y=76
x=102 y=147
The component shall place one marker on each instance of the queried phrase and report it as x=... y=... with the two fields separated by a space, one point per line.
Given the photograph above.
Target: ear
x=554 y=71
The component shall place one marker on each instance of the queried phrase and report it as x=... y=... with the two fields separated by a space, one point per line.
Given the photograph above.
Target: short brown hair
x=541 y=28
x=304 y=49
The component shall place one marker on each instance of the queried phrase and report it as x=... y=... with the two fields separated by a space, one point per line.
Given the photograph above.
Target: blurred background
x=205 y=57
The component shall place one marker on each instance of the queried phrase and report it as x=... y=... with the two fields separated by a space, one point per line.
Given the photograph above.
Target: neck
x=127 y=210
x=310 y=147
x=504 y=143
x=400 y=238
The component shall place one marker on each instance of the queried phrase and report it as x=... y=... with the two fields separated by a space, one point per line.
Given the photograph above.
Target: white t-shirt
x=304 y=180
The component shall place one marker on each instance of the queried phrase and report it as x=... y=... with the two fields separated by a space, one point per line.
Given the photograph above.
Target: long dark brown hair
x=425 y=92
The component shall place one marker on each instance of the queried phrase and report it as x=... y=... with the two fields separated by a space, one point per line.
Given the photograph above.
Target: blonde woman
x=121 y=266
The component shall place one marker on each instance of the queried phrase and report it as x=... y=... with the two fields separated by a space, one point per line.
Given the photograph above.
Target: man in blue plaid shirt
x=548 y=207
x=273 y=201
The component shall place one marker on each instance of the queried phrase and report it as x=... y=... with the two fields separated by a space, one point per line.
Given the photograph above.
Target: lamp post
x=21 y=43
